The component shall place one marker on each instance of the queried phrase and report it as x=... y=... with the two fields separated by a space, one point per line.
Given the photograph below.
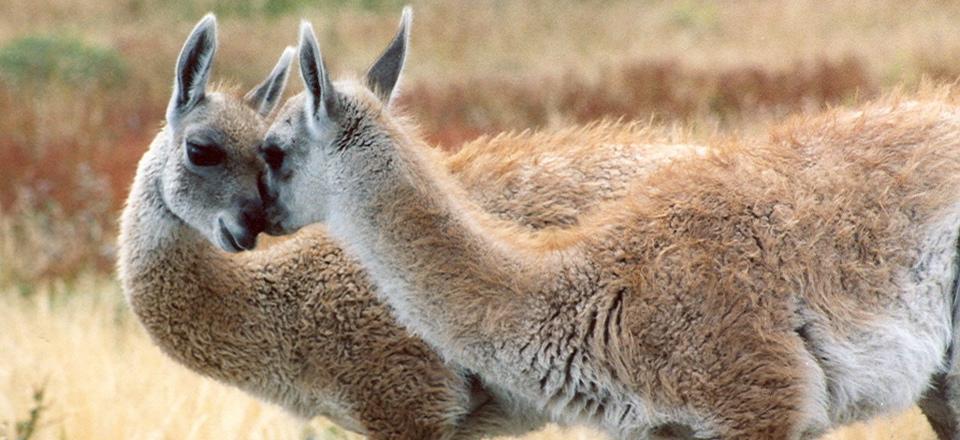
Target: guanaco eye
x=272 y=155
x=205 y=155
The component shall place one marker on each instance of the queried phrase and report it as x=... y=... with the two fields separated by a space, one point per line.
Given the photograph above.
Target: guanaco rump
x=773 y=289
x=298 y=324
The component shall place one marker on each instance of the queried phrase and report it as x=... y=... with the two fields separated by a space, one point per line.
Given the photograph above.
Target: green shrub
x=42 y=59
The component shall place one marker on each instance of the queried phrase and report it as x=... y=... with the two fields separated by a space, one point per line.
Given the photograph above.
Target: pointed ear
x=193 y=69
x=384 y=75
x=321 y=102
x=264 y=97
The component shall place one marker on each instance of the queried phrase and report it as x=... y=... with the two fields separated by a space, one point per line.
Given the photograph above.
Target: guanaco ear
x=264 y=97
x=384 y=75
x=321 y=102
x=193 y=69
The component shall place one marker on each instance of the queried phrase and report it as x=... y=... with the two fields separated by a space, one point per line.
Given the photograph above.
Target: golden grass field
x=83 y=85
x=103 y=379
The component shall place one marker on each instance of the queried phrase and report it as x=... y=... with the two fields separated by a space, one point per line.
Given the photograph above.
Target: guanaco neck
x=436 y=257
x=159 y=251
x=187 y=294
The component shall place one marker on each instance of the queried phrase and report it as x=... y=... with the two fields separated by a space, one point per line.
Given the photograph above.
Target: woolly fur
x=768 y=288
x=298 y=324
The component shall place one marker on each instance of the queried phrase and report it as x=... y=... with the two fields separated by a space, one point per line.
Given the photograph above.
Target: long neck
x=192 y=299
x=160 y=256
x=435 y=257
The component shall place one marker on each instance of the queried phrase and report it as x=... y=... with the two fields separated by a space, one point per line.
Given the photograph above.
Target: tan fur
x=772 y=289
x=298 y=324
x=564 y=162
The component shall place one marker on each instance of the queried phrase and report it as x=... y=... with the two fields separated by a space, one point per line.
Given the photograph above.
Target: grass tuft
x=25 y=429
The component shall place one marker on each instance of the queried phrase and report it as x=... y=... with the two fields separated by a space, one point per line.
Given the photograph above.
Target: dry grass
x=458 y=110
x=103 y=379
x=477 y=67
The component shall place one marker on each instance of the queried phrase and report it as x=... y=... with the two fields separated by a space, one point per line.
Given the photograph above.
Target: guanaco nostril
x=254 y=219
x=272 y=155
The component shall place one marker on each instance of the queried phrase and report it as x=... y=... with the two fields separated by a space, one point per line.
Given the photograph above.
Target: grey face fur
x=313 y=131
x=208 y=170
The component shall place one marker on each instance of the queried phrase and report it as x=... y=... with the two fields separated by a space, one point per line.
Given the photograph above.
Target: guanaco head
x=325 y=126
x=206 y=161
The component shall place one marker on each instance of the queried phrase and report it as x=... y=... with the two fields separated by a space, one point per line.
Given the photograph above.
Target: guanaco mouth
x=228 y=241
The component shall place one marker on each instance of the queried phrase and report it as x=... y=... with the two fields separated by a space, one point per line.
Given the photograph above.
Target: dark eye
x=205 y=155
x=272 y=155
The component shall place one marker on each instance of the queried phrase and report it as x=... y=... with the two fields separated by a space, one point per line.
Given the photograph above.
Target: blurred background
x=84 y=84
